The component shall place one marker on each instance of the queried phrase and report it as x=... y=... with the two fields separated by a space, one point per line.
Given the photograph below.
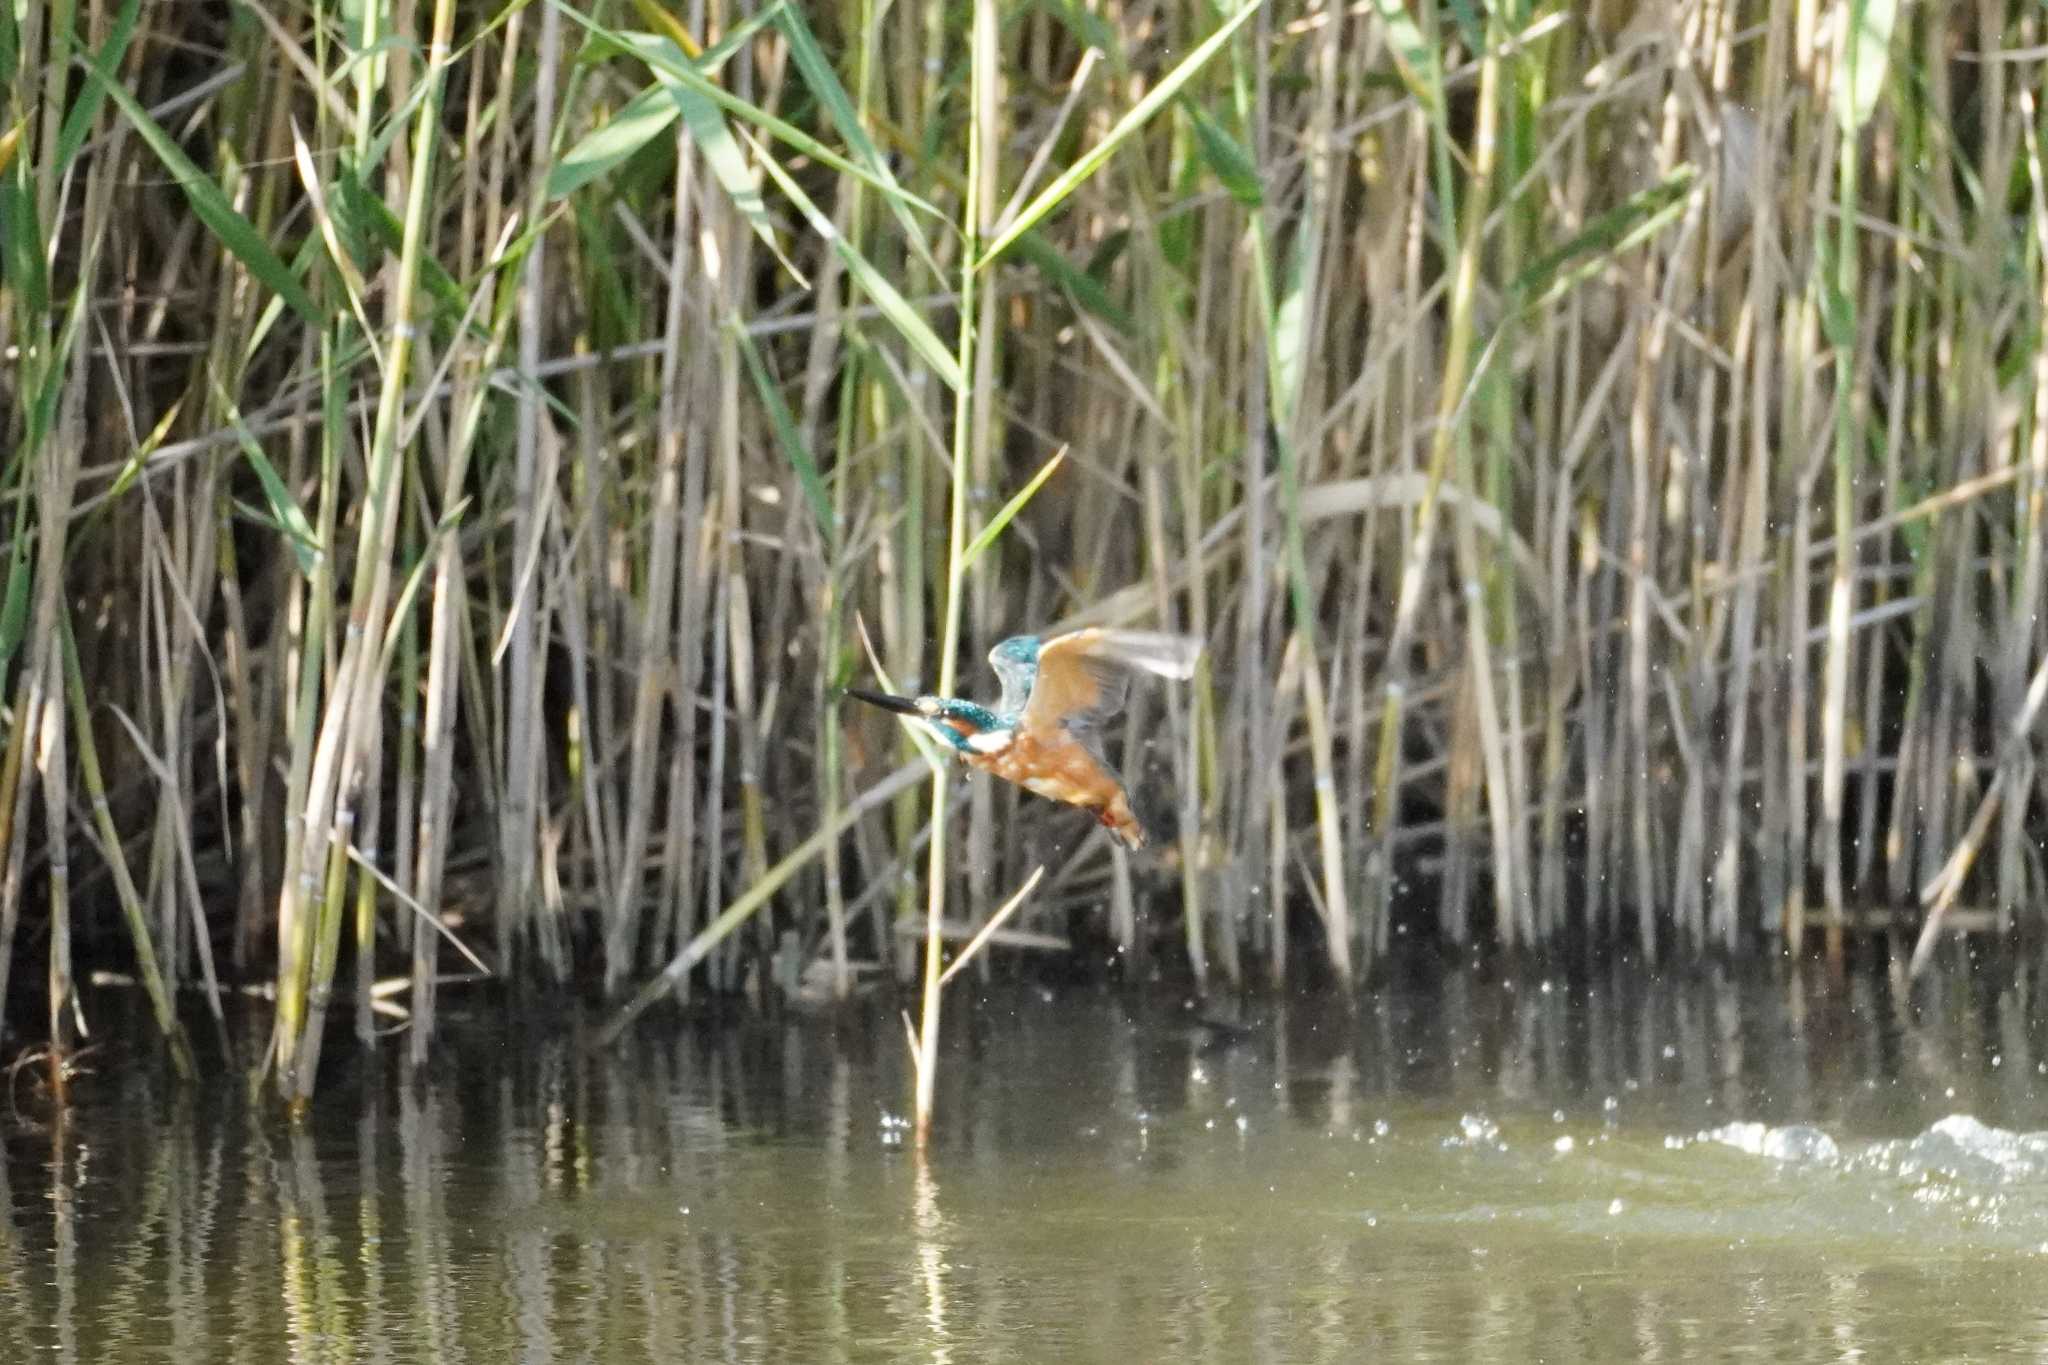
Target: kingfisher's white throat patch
x=990 y=741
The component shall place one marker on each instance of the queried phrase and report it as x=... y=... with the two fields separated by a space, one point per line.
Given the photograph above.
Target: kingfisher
x=1044 y=734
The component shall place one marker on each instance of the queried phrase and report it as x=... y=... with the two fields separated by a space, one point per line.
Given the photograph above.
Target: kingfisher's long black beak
x=902 y=706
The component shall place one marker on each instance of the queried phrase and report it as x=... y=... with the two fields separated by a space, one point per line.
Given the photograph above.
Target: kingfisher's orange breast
x=1060 y=768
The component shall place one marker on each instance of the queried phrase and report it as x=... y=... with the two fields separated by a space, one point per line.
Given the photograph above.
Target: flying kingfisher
x=1044 y=732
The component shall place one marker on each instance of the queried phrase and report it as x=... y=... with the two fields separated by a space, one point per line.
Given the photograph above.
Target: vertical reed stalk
x=346 y=727
x=1423 y=74
x=160 y=1002
x=976 y=217
x=520 y=817
x=1859 y=73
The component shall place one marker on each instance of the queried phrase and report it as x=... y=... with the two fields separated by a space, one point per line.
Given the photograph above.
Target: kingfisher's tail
x=1123 y=822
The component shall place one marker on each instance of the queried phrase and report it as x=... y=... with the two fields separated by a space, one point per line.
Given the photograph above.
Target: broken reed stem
x=2013 y=764
x=756 y=897
x=994 y=923
x=923 y=1046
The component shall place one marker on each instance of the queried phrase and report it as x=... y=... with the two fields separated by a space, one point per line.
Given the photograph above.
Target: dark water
x=1701 y=1165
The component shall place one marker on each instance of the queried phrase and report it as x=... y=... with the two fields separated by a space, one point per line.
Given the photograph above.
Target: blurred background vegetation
x=454 y=451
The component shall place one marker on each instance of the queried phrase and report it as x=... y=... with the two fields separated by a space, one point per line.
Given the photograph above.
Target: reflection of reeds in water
x=458 y=527
x=1088 y=1194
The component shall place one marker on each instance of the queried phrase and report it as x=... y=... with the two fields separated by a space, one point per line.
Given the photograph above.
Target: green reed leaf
x=211 y=205
x=1071 y=179
x=987 y=535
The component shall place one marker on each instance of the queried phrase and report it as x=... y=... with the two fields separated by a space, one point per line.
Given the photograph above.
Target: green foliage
x=285 y=512
x=789 y=437
x=1860 y=71
x=1084 y=286
x=210 y=205
x=614 y=142
x=106 y=63
x=1070 y=179
x=1629 y=224
x=14 y=603
x=876 y=285
x=1000 y=522
x=1226 y=156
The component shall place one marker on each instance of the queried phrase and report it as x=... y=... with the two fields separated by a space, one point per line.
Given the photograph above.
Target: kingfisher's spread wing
x=1082 y=675
x=1016 y=675
x=1074 y=690
x=1155 y=651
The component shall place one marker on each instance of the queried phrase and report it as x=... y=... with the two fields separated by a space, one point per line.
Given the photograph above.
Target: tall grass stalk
x=352 y=710
x=976 y=214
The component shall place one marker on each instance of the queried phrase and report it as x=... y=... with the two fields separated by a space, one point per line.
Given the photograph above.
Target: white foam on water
x=1792 y=1143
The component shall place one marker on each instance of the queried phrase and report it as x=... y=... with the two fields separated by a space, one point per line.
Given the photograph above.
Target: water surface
x=1476 y=1168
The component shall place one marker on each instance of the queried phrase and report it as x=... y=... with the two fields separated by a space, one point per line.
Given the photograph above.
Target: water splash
x=1795 y=1143
x=1966 y=1151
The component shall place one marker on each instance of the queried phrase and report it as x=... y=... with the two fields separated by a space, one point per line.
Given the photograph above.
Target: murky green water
x=1695 y=1167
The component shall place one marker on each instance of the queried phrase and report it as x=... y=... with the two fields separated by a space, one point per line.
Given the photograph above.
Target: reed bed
x=457 y=453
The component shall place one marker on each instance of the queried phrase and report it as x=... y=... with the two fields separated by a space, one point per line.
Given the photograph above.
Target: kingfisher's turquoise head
x=957 y=720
